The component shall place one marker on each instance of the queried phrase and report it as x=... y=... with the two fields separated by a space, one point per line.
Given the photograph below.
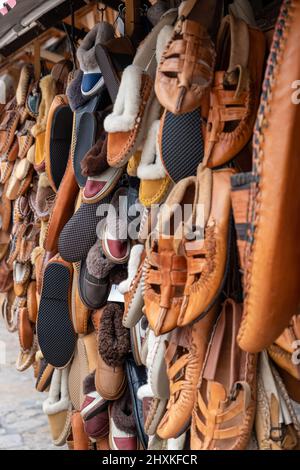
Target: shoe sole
x=55 y=330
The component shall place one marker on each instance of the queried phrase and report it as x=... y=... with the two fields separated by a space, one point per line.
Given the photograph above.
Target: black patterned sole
x=181 y=146
x=56 y=335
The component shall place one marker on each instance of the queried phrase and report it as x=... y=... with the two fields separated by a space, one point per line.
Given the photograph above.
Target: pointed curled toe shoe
x=224 y=409
x=207 y=258
x=184 y=359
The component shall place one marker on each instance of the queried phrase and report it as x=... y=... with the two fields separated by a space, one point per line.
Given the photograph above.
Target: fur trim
x=151 y=166
x=118 y=274
x=75 y=97
x=36 y=253
x=163 y=38
x=23 y=85
x=95 y=161
x=127 y=103
x=89 y=383
x=31 y=154
x=58 y=399
x=122 y=414
x=43 y=181
x=100 y=34
x=133 y=266
x=97 y=264
x=48 y=91
x=43 y=232
x=113 y=339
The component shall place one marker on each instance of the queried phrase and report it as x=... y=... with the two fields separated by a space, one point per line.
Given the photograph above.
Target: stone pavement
x=23 y=426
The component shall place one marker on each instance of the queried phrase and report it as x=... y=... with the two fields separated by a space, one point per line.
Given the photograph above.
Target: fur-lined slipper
x=25 y=138
x=84 y=363
x=94 y=410
x=5 y=210
x=131 y=288
x=44 y=374
x=58 y=407
x=135 y=107
x=92 y=79
x=133 y=163
x=113 y=58
x=114 y=341
x=19 y=180
x=97 y=187
x=95 y=160
x=32 y=302
x=9 y=125
x=155 y=182
x=114 y=234
x=75 y=97
x=122 y=429
x=58 y=140
x=55 y=329
x=93 y=279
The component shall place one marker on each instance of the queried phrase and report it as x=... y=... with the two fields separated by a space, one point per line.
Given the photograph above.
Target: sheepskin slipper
x=94 y=410
x=97 y=187
x=155 y=183
x=44 y=375
x=95 y=161
x=93 y=282
x=123 y=434
x=114 y=340
x=92 y=79
x=45 y=197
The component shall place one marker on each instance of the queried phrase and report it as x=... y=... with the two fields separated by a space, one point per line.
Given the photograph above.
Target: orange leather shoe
x=207 y=259
x=166 y=264
x=184 y=358
x=235 y=94
x=224 y=410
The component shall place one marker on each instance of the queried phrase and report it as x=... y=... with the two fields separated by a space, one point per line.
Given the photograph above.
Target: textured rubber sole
x=55 y=330
x=181 y=136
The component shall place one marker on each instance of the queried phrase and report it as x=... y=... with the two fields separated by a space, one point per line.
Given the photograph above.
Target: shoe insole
x=182 y=147
x=55 y=330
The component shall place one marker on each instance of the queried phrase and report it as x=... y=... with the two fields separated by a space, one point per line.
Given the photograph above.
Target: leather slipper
x=55 y=330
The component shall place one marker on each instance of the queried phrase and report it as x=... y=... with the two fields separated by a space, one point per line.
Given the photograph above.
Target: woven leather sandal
x=184 y=359
x=166 y=264
x=235 y=93
x=207 y=258
x=187 y=64
x=224 y=410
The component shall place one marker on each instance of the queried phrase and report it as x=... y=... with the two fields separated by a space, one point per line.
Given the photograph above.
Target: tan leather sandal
x=184 y=357
x=236 y=90
x=166 y=264
x=207 y=258
x=187 y=64
x=224 y=410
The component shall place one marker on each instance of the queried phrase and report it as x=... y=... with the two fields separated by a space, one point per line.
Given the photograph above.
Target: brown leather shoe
x=275 y=269
x=166 y=264
x=236 y=90
x=184 y=358
x=110 y=381
x=224 y=410
x=207 y=259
